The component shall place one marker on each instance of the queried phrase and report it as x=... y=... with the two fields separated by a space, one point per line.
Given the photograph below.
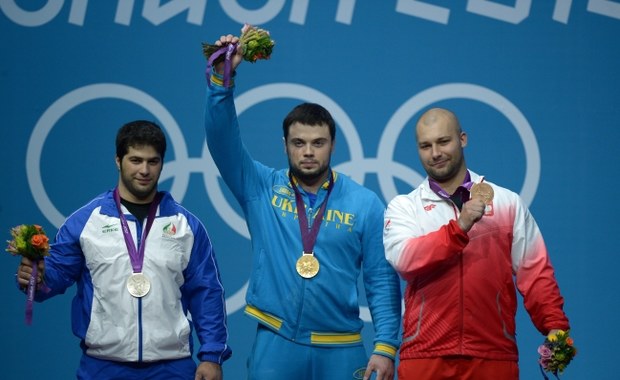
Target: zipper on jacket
x=310 y=220
x=308 y=212
x=461 y=290
x=140 y=334
x=140 y=330
x=301 y=308
x=462 y=303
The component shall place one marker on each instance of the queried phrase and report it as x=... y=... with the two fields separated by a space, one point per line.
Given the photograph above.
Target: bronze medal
x=482 y=191
x=307 y=265
x=138 y=285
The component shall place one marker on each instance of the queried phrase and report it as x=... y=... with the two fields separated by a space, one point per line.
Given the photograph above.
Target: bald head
x=436 y=117
x=440 y=147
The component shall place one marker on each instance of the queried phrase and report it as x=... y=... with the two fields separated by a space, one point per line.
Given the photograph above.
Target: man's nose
x=308 y=150
x=144 y=168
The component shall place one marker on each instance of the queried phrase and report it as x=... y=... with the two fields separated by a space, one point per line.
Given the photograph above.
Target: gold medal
x=307 y=265
x=138 y=285
x=482 y=191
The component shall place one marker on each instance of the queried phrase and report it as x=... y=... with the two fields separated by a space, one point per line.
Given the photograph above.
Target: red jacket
x=460 y=297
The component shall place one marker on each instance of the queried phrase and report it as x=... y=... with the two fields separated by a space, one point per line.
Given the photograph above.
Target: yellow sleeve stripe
x=218 y=80
x=385 y=349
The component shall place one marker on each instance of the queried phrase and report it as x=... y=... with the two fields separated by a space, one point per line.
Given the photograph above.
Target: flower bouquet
x=255 y=43
x=556 y=352
x=30 y=241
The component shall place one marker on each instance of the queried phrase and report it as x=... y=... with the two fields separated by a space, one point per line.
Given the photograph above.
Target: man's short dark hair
x=309 y=114
x=140 y=133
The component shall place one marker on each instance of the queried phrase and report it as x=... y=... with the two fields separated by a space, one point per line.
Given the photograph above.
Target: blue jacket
x=179 y=261
x=323 y=310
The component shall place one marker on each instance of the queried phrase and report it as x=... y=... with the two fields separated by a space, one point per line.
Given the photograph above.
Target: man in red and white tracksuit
x=462 y=250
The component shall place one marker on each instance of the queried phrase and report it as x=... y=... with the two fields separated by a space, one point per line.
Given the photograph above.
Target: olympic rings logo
x=357 y=167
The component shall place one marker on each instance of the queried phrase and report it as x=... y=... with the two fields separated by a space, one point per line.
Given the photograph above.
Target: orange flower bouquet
x=556 y=352
x=30 y=241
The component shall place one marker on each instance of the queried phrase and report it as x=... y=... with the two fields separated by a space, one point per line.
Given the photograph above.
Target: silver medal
x=138 y=285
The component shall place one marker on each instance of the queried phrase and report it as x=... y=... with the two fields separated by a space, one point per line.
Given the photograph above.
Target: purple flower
x=544 y=351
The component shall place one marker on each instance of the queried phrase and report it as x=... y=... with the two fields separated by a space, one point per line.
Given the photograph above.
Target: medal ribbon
x=228 y=50
x=136 y=255
x=308 y=237
x=467 y=184
x=542 y=371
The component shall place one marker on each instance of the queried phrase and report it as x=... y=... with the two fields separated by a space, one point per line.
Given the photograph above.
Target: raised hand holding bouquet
x=556 y=352
x=30 y=241
x=254 y=43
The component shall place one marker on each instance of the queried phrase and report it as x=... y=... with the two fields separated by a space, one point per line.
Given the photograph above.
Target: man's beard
x=308 y=177
x=137 y=192
x=446 y=174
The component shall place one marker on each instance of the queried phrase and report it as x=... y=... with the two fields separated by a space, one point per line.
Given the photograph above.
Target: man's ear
x=463 y=138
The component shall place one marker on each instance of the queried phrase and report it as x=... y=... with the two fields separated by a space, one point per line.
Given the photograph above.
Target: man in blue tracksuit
x=303 y=286
x=142 y=264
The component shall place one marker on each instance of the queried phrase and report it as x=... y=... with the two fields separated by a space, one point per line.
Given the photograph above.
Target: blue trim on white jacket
x=89 y=250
